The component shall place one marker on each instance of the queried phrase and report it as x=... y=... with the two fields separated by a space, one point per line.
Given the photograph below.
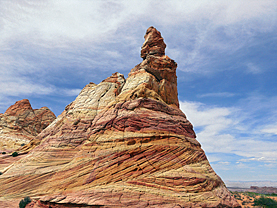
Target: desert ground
x=246 y=199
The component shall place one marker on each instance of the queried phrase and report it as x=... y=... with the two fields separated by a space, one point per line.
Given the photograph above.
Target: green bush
x=1 y=173
x=252 y=194
x=14 y=154
x=3 y=153
x=24 y=202
x=265 y=202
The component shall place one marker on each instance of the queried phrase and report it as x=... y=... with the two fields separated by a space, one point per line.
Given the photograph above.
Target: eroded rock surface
x=21 y=123
x=121 y=143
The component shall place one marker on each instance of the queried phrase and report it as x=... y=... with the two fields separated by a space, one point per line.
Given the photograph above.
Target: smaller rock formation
x=21 y=123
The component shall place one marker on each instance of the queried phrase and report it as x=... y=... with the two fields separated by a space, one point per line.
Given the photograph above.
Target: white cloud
x=214 y=121
x=213 y=158
x=70 y=92
x=217 y=94
x=39 y=35
x=253 y=69
x=223 y=130
x=253 y=159
x=223 y=27
x=58 y=21
x=224 y=163
x=222 y=166
x=270 y=129
x=201 y=115
x=19 y=86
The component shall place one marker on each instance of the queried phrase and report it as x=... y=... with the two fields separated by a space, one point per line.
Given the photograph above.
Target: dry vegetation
x=246 y=199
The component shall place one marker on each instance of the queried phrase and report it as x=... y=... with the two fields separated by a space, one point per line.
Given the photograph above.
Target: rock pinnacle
x=153 y=44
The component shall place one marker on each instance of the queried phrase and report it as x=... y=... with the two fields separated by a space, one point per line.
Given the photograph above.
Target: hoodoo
x=121 y=143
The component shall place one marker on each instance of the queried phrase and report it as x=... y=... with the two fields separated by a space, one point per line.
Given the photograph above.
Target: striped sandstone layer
x=21 y=123
x=121 y=143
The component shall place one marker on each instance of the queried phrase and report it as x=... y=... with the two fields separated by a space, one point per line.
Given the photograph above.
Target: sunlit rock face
x=21 y=123
x=121 y=143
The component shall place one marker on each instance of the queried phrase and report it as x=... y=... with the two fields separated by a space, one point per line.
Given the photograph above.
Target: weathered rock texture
x=121 y=143
x=21 y=123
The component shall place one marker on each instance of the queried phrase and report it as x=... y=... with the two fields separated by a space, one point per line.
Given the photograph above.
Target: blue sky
x=226 y=54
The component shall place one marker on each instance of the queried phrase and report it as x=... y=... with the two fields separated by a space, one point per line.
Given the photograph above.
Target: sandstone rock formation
x=21 y=123
x=121 y=143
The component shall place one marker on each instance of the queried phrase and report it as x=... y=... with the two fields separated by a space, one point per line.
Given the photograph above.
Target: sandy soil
x=247 y=201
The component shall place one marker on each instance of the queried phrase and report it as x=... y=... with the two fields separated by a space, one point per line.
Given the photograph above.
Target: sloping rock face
x=21 y=123
x=121 y=143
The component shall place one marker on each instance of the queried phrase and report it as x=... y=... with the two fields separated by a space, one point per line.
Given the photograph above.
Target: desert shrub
x=3 y=153
x=22 y=144
x=265 y=202
x=1 y=173
x=237 y=196
x=252 y=194
x=14 y=154
x=24 y=202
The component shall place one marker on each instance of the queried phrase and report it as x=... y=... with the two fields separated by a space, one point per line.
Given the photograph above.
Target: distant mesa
x=121 y=143
x=263 y=190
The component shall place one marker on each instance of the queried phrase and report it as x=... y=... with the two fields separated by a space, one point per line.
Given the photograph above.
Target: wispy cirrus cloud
x=231 y=142
x=204 y=27
x=253 y=69
x=212 y=123
x=270 y=129
x=217 y=94
x=226 y=130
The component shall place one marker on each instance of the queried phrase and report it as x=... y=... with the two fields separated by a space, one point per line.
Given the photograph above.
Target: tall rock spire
x=154 y=43
x=121 y=143
x=155 y=77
